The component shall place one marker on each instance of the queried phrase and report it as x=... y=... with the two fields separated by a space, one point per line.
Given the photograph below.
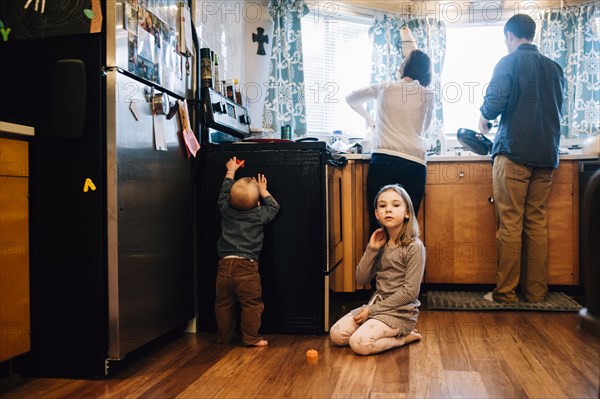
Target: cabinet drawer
x=481 y=172
x=459 y=173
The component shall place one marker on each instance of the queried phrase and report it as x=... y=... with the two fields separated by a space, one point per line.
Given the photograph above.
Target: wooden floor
x=463 y=355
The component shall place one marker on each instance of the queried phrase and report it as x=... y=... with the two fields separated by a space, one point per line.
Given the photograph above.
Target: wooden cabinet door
x=334 y=211
x=459 y=234
x=14 y=267
x=460 y=225
x=354 y=225
x=563 y=226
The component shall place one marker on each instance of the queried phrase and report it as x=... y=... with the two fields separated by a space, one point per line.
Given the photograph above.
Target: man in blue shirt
x=526 y=90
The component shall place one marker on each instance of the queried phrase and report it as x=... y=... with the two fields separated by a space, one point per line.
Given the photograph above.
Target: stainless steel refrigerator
x=111 y=224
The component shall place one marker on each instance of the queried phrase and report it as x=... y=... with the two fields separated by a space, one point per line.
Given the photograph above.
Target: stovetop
x=269 y=146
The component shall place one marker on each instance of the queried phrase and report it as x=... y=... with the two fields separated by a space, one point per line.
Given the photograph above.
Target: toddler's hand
x=233 y=165
x=262 y=185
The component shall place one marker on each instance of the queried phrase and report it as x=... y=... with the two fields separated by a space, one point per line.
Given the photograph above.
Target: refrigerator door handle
x=146 y=82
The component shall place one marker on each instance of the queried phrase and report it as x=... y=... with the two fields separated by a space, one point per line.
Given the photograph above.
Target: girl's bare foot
x=262 y=342
x=412 y=336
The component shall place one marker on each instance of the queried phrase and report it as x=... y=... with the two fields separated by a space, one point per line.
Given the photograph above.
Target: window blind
x=337 y=60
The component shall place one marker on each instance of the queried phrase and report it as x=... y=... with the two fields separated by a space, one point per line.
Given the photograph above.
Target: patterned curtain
x=570 y=38
x=387 y=47
x=285 y=102
x=430 y=35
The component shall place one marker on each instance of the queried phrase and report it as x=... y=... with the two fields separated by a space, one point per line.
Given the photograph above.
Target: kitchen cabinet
x=460 y=224
x=14 y=249
x=354 y=225
x=335 y=251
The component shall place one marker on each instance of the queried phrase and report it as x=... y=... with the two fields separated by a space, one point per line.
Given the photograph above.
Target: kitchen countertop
x=572 y=155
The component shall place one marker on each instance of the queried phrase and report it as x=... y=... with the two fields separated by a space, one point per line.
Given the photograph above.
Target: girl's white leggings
x=373 y=336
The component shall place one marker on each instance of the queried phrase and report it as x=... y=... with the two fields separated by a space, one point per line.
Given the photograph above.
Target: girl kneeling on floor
x=395 y=257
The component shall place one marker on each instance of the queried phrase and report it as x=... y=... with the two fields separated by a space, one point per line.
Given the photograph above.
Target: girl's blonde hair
x=410 y=228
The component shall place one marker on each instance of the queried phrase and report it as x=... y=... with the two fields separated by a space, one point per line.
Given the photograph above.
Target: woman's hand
x=378 y=239
x=362 y=316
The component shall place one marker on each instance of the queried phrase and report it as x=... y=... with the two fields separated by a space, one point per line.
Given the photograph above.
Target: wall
x=226 y=27
x=220 y=26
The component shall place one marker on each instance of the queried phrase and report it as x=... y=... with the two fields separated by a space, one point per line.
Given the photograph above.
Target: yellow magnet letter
x=88 y=184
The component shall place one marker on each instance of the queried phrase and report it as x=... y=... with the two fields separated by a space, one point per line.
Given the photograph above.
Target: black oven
x=294 y=261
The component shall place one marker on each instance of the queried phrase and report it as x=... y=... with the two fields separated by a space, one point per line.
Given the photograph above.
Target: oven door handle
x=329 y=272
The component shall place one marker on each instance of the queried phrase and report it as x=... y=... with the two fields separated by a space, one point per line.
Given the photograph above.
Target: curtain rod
x=357 y=11
x=371 y=12
x=563 y=7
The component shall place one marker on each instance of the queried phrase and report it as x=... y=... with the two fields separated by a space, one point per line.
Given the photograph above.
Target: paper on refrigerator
x=191 y=143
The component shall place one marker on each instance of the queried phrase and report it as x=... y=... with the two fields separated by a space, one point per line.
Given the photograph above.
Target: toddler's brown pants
x=238 y=281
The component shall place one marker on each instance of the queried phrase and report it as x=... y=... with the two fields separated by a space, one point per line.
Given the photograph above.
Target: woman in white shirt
x=404 y=113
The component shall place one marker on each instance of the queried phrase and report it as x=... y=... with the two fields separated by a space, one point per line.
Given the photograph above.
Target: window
x=337 y=60
x=471 y=55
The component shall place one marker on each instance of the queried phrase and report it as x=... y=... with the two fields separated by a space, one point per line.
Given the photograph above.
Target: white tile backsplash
x=220 y=26
x=226 y=27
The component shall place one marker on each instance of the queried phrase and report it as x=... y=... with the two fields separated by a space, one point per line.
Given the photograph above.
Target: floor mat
x=463 y=300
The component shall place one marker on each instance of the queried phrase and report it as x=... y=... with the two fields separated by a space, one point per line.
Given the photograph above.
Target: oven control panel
x=224 y=115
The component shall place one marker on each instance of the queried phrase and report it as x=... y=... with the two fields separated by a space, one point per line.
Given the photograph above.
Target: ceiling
x=476 y=10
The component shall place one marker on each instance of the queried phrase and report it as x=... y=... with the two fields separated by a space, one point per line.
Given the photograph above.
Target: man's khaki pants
x=520 y=194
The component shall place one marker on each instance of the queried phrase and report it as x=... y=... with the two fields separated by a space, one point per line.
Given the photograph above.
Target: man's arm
x=497 y=93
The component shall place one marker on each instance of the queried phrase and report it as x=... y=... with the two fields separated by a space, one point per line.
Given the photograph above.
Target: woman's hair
x=410 y=228
x=418 y=67
x=244 y=194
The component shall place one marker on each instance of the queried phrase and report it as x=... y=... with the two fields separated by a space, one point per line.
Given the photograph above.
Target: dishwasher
x=589 y=215
x=587 y=169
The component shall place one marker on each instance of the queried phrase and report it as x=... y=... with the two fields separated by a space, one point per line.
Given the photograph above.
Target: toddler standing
x=238 y=248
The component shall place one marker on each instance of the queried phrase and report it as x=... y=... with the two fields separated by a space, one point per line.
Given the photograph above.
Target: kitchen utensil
x=473 y=141
x=160 y=103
